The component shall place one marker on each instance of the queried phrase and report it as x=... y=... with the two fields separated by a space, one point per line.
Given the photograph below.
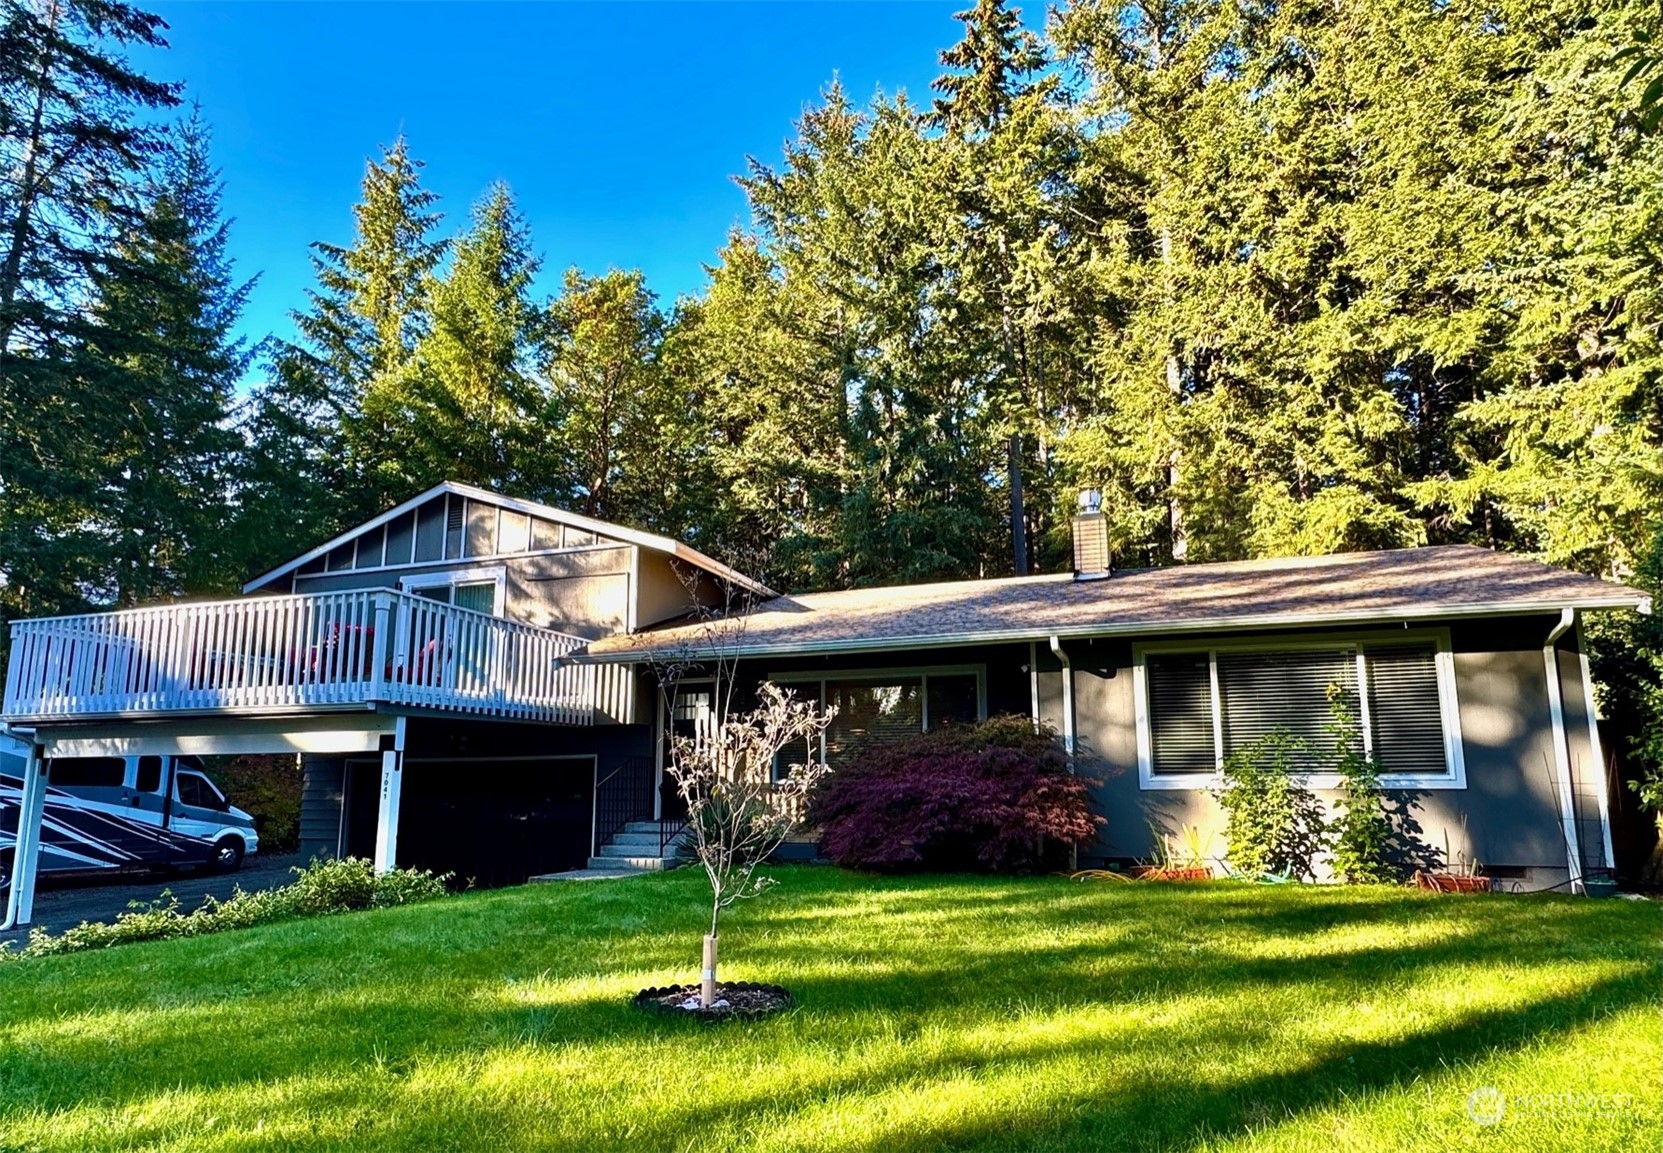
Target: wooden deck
x=292 y=654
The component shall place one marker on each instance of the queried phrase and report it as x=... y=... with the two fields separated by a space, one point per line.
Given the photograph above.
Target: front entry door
x=692 y=709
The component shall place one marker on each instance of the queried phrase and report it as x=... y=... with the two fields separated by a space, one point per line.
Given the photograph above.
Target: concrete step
x=635 y=852
x=642 y=827
x=640 y=840
x=641 y=864
x=588 y=875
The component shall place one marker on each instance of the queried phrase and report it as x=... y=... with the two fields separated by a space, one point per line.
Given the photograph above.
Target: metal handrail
x=623 y=796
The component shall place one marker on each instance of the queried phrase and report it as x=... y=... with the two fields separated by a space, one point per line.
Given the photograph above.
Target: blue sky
x=618 y=125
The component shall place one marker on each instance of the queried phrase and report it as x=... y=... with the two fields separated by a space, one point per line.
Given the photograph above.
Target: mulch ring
x=733 y=999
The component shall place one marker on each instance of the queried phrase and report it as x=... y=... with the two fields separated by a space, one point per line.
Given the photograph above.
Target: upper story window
x=1197 y=705
x=482 y=590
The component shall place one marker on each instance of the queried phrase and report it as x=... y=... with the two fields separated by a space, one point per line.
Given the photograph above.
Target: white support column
x=20 y=898
x=386 y=821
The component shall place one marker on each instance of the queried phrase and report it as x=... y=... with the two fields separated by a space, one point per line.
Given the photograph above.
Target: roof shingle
x=1397 y=585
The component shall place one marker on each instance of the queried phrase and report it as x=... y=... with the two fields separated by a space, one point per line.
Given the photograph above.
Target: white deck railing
x=297 y=653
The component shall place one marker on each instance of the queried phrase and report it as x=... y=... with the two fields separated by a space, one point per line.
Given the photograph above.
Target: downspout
x=1067 y=726
x=1033 y=681
x=1067 y=700
x=1561 y=749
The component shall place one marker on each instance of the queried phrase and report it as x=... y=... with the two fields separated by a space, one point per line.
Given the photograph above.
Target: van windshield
x=198 y=790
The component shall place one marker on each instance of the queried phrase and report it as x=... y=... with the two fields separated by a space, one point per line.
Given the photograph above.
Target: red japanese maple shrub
x=990 y=797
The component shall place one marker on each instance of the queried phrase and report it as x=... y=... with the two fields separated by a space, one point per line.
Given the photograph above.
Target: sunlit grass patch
x=932 y=1013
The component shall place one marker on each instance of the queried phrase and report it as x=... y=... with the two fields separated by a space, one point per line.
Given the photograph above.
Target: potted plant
x=1181 y=859
x=1463 y=875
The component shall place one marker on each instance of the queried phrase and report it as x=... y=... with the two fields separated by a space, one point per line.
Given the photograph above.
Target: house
x=475 y=680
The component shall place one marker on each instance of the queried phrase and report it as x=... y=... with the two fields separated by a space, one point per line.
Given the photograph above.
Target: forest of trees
x=1280 y=278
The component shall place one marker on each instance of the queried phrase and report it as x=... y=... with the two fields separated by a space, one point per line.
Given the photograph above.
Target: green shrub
x=1362 y=834
x=407 y=887
x=268 y=789
x=320 y=889
x=995 y=796
x=334 y=887
x=1274 y=824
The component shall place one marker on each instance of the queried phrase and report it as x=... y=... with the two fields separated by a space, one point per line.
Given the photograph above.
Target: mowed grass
x=934 y=1013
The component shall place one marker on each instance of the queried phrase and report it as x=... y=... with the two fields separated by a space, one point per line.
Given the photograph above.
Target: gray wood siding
x=585 y=591
x=1507 y=816
x=320 y=806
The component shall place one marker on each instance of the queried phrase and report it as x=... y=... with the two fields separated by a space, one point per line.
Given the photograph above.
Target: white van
x=119 y=814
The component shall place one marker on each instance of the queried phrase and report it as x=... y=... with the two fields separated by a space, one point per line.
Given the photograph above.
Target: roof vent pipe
x=1091 y=538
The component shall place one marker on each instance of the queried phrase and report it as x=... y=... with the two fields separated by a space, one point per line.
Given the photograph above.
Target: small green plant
x=1461 y=865
x=1275 y=824
x=1190 y=849
x=320 y=889
x=1361 y=833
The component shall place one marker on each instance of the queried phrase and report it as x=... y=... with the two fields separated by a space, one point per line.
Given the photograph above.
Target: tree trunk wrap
x=707 y=986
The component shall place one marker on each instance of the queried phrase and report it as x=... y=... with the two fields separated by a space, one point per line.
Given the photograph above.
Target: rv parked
x=124 y=814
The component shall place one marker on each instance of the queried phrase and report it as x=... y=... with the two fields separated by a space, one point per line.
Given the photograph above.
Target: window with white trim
x=1198 y=705
x=483 y=589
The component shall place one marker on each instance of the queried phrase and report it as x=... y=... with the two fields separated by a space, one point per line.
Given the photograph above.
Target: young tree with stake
x=739 y=809
x=737 y=812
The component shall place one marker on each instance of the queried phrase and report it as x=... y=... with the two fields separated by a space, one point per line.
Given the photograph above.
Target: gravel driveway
x=60 y=905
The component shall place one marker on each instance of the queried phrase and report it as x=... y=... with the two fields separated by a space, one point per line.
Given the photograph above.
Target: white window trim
x=1455 y=776
x=496 y=574
x=922 y=672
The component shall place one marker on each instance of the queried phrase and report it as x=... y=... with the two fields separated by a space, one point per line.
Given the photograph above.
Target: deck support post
x=20 y=898
x=392 y=784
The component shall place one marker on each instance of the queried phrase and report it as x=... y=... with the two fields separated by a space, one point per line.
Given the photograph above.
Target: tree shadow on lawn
x=391 y=1008
x=1122 y=1112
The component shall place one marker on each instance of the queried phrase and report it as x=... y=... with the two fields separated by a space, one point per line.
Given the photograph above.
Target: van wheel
x=227 y=856
x=5 y=869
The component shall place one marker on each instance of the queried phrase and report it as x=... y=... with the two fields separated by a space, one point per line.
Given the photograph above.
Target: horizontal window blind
x=1264 y=692
x=952 y=699
x=1404 y=712
x=1180 y=713
x=871 y=713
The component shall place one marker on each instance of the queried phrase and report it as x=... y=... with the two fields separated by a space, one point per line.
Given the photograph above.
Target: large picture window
x=1198 y=705
x=880 y=707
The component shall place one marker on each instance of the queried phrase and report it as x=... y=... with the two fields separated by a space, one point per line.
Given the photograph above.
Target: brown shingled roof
x=1403 y=584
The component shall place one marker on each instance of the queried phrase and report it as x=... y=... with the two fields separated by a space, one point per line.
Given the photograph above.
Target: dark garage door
x=496 y=822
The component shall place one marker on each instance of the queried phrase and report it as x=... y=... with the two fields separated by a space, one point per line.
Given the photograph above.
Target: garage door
x=496 y=822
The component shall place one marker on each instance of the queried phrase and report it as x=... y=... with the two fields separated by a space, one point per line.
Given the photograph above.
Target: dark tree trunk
x=1019 y=515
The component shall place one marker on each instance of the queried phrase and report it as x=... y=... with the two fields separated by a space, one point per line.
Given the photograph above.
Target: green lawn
x=934 y=1013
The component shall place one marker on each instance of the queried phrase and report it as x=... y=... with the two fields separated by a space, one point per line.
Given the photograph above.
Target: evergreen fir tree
x=467 y=404
x=344 y=383
x=73 y=146
x=162 y=359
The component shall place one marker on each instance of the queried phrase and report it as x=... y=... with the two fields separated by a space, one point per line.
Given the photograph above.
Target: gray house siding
x=585 y=592
x=1507 y=817
x=322 y=783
